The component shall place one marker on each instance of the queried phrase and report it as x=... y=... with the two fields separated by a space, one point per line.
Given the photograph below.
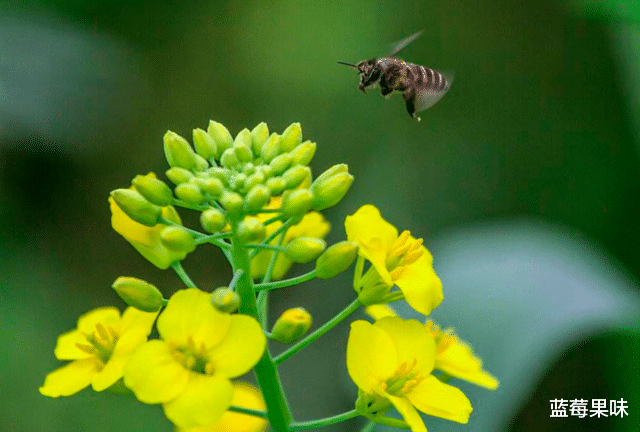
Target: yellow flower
x=99 y=348
x=312 y=224
x=456 y=358
x=188 y=370
x=391 y=363
x=245 y=396
x=396 y=259
x=146 y=239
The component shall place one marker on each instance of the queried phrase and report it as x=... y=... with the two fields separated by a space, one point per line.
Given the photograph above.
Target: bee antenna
x=348 y=64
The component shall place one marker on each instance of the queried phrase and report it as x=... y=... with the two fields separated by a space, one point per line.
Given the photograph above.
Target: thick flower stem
x=266 y=371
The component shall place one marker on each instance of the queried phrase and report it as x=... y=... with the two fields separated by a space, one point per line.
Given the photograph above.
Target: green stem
x=282 y=228
x=179 y=203
x=263 y=296
x=248 y=411
x=272 y=220
x=369 y=427
x=265 y=370
x=182 y=274
x=234 y=280
x=319 y=332
x=259 y=247
x=211 y=239
x=224 y=246
x=357 y=274
x=270 y=286
x=389 y=421
x=314 y=424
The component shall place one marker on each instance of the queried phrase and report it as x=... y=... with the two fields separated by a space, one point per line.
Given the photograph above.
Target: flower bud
x=303 y=153
x=178 y=239
x=294 y=176
x=243 y=139
x=225 y=300
x=221 y=136
x=266 y=170
x=276 y=185
x=296 y=202
x=251 y=230
x=249 y=169
x=291 y=137
x=257 y=197
x=155 y=191
x=253 y=180
x=336 y=169
x=189 y=193
x=236 y=182
x=243 y=153
x=219 y=173
x=304 y=249
x=138 y=294
x=280 y=163
x=232 y=202
x=229 y=159
x=178 y=151
x=291 y=325
x=336 y=259
x=329 y=188
x=137 y=207
x=270 y=148
x=201 y=163
x=204 y=143
x=259 y=135
x=212 y=220
x=179 y=175
x=211 y=186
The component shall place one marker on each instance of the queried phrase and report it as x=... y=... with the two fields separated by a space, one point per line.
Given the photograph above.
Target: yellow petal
x=133 y=318
x=459 y=361
x=241 y=349
x=312 y=224
x=153 y=374
x=70 y=379
x=435 y=398
x=371 y=355
x=202 y=402
x=421 y=286
x=408 y=412
x=379 y=311
x=412 y=342
x=107 y=316
x=113 y=370
x=66 y=348
x=190 y=314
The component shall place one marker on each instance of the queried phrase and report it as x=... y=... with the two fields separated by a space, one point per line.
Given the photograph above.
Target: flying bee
x=421 y=87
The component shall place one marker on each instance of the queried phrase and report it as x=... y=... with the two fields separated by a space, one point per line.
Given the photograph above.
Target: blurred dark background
x=542 y=122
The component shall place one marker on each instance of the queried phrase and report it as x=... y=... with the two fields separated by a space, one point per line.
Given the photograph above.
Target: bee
x=421 y=87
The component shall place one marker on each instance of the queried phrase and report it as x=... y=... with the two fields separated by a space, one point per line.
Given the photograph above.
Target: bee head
x=365 y=70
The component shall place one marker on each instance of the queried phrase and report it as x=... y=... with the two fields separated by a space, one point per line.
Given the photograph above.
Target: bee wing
x=427 y=96
x=400 y=45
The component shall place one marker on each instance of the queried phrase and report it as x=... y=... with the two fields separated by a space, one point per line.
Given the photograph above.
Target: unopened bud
x=236 y=182
x=296 y=202
x=232 y=202
x=331 y=186
x=137 y=207
x=179 y=175
x=243 y=139
x=204 y=143
x=221 y=136
x=303 y=153
x=304 y=249
x=291 y=137
x=155 y=191
x=336 y=259
x=229 y=159
x=294 y=176
x=178 y=151
x=212 y=220
x=201 y=163
x=271 y=148
x=291 y=325
x=211 y=186
x=276 y=185
x=189 y=193
x=251 y=230
x=243 y=153
x=257 y=197
x=177 y=239
x=280 y=163
x=225 y=300
x=138 y=294
x=259 y=135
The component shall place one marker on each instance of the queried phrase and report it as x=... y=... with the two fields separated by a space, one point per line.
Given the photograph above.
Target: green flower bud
x=303 y=153
x=189 y=193
x=336 y=169
x=254 y=180
x=270 y=148
x=330 y=192
x=138 y=294
x=243 y=153
x=259 y=135
x=296 y=202
x=155 y=191
x=237 y=181
x=251 y=230
x=221 y=136
x=201 y=163
x=291 y=325
x=137 y=207
x=336 y=259
x=178 y=151
x=291 y=137
x=243 y=139
x=219 y=173
x=304 y=249
x=232 y=202
x=257 y=197
x=178 y=239
x=266 y=170
x=211 y=186
x=229 y=159
x=225 y=300
x=276 y=185
x=249 y=169
x=294 y=175
x=179 y=175
x=204 y=143
x=212 y=220
x=280 y=163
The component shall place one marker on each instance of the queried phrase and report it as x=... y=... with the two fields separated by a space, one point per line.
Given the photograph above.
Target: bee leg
x=386 y=92
x=410 y=98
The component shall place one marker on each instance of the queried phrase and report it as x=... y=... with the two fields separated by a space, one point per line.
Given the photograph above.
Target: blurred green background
x=542 y=122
